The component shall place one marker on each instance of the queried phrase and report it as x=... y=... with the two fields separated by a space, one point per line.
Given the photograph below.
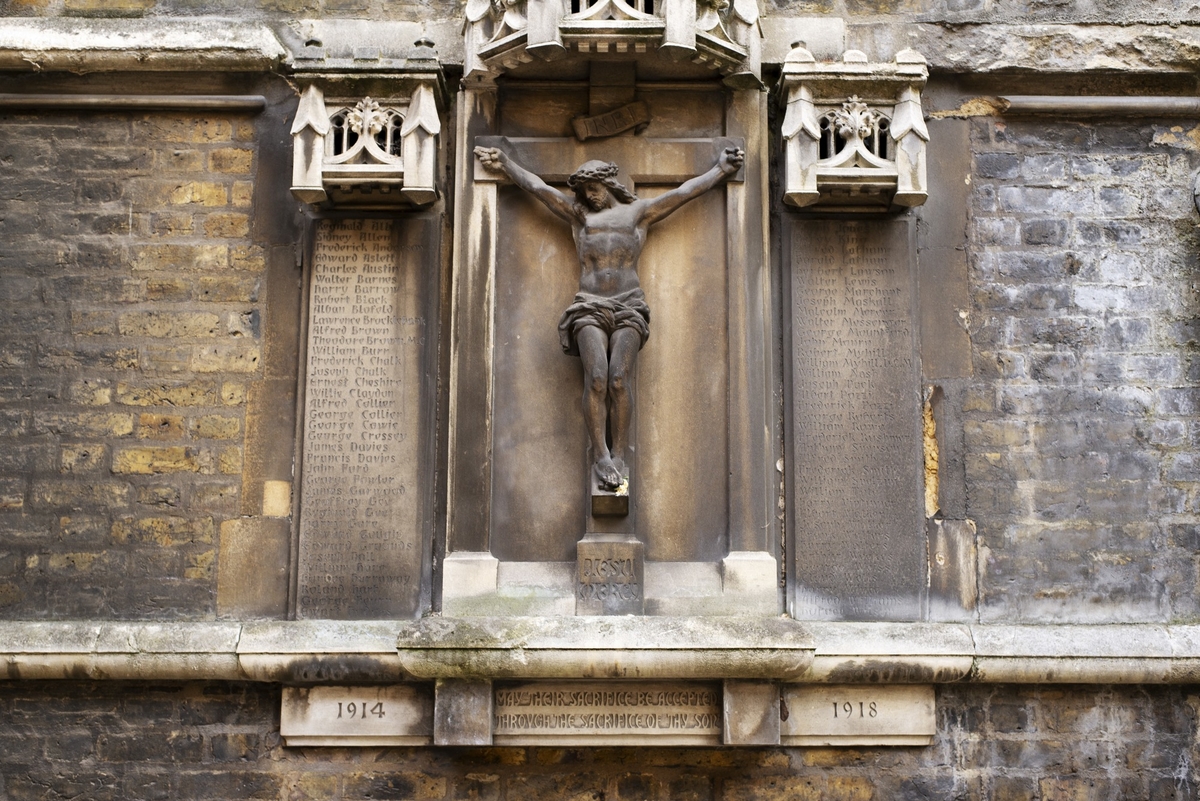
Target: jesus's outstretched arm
x=558 y=202
x=663 y=205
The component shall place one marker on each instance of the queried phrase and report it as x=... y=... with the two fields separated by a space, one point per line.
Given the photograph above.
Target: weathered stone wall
x=135 y=387
x=216 y=741
x=1080 y=427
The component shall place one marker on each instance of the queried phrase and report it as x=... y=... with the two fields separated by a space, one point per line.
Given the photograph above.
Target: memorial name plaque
x=357 y=716
x=366 y=486
x=856 y=487
x=858 y=715
x=608 y=713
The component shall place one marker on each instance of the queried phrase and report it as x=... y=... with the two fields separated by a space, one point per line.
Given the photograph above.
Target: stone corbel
x=361 y=172
x=848 y=154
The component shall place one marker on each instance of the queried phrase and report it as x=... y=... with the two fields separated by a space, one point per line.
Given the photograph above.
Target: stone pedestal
x=610 y=576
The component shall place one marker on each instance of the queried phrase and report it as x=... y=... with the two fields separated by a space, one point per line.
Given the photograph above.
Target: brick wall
x=1082 y=466
x=130 y=337
x=219 y=741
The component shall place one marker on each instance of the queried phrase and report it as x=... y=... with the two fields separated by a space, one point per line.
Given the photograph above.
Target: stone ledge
x=214 y=43
x=331 y=652
x=198 y=43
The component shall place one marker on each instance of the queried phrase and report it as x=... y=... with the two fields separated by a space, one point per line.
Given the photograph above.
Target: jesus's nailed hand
x=731 y=160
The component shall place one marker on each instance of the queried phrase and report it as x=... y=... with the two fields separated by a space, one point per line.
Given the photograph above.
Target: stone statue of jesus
x=609 y=321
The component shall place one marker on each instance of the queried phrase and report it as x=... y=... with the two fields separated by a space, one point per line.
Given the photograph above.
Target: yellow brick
x=180 y=160
x=216 y=426
x=231 y=461
x=233 y=393
x=226 y=359
x=848 y=788
x=173 y=258
x=11 y=499
x=81 y=458
x=227 y=226
x=206 y=193
x=90 y=392
x=167 y=324
x=233 y=160
x=166 y=531
x=772 y=788
x=83 y=424
x=91 y=323
x=243 y=130
x=80 y=562
x=160 y=426
x=9 y=593
x=200 y=566
x=243 y=193
x=172 y=224
x=150 y=461
x=167 y=287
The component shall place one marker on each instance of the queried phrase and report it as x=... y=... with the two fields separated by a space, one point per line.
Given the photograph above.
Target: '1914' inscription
x=360 y=521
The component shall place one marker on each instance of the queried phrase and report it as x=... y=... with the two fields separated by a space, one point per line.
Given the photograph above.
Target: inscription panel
x=858 y=715
x=365 y=490
x=357 y=716
x=856 y=447
x=607 y=713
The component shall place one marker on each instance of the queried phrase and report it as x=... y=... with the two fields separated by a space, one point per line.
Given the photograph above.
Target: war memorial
x=600 y=400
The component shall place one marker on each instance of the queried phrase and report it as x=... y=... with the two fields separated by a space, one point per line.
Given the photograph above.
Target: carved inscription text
x=360 y=544
x=634 y=709
x=855 y=420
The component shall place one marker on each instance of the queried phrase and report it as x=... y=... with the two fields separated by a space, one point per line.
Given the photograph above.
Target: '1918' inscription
x=360 y=539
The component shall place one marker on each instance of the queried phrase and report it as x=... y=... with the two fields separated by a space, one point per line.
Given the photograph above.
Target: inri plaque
x=856 y=447
x=369 y=399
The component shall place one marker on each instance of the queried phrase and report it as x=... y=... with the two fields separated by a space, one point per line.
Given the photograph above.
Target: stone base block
x=611 y=577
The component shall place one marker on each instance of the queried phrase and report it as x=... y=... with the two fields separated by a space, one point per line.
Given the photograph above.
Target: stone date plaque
x=357 y=716
x=607 y=713
x=366 y=490
x=854 y=422
x=858 y=715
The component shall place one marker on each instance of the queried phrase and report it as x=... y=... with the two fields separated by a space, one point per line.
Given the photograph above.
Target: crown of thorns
x=603 y=172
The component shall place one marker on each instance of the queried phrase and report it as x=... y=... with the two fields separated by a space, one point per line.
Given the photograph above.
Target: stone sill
x=213 y=43
x=332 y=652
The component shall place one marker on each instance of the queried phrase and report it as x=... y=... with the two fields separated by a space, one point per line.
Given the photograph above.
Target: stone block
x=252 y=570
x=387 y=715
x=849 y=715
x=462 y=713
x=468 y=580
x=751 y=713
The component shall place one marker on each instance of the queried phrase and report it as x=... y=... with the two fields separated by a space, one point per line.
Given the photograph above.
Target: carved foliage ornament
x=500 y=35
x=845 y=152
x=366 y=152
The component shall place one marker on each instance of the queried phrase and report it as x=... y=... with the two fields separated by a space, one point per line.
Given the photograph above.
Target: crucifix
x=608 y=322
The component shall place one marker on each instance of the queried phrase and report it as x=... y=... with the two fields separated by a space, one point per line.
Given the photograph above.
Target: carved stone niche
x=854 y=135
x=723 y=35
x=363 y=151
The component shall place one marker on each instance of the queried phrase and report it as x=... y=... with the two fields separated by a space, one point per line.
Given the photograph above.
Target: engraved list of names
x=367 y=397
x=855 y=422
